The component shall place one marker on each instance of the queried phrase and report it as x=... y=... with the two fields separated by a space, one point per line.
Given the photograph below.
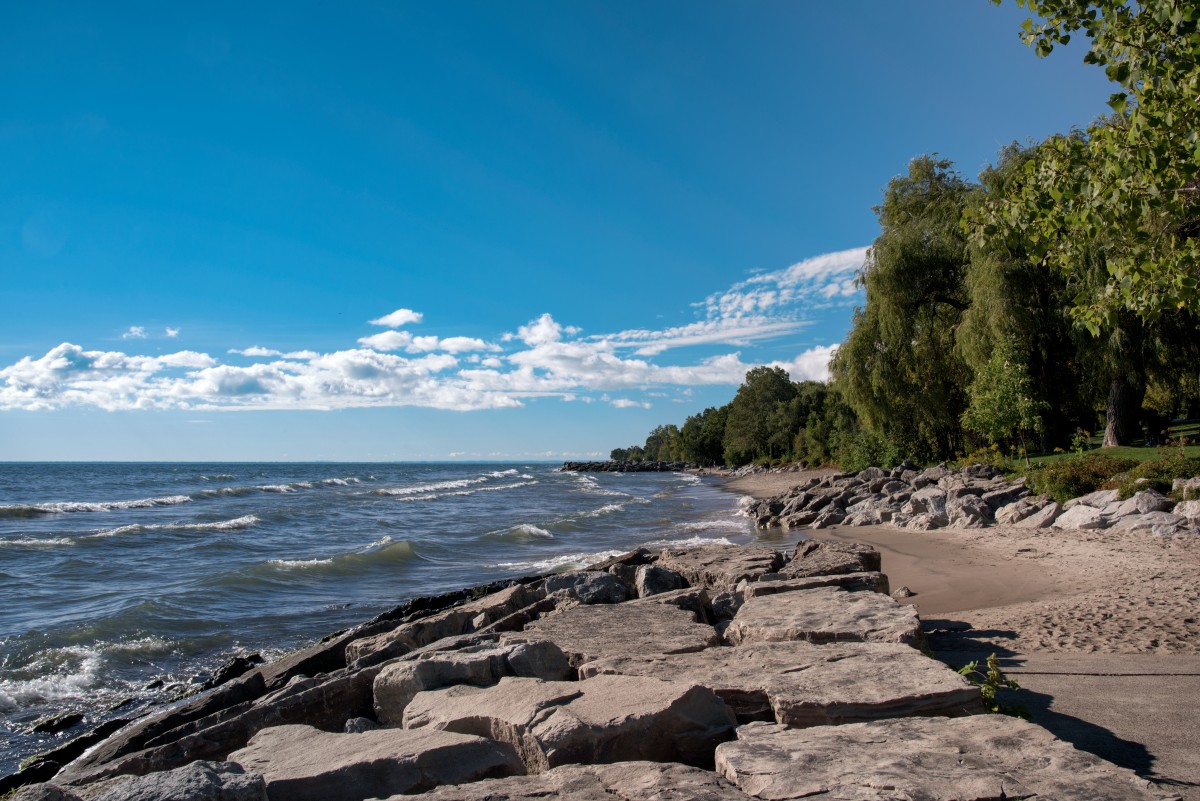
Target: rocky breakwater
x=976 y=496
x=715 y=673
x=626 y=467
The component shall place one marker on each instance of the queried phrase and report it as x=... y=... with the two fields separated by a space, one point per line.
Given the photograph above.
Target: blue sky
x=459 y=230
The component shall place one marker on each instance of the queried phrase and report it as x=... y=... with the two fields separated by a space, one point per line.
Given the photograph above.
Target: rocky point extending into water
x=626 y=467
x=712 y=672
x=975 y=496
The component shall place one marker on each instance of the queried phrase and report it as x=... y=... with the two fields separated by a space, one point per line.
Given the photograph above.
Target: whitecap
x=690 y=542
x=461 y=493
x=417 y=489
x=34 y=542
x=68 y=673
x=555 y=564
x=236 y=524
x=503 y=473
x=30 y=509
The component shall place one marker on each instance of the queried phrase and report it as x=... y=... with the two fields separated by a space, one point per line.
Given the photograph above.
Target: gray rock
x=1098 y=499
x=930 y=500
x=603 y=719
x=720 y=567
x=1139 y=504
x=801 y=684
x=199 y=781
x=301 y=763
x=1081 y=515
x=359 y=725
x=871 y=473
x=871 y=582
x=589 y=632
x=589 y=586
x=655 y=579
x=931 y=759
x=1189 y=510
x=1004 y=496
x=1188 y=488
x=44 y=792
x=830 y=516
x=927 y=520
x=868 y=517
x=725 y=605
x=825 y=614
x=821 y=558
x=903 y=592
x=623 y=781
x=1147 y=521
x=457 y=620
x=968 y=511
x=399 y=682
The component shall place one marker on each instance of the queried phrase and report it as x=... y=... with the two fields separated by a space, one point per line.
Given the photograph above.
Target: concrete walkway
x=1140 y=711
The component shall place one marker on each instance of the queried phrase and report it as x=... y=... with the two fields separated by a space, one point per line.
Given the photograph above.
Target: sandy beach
x=1099 y=626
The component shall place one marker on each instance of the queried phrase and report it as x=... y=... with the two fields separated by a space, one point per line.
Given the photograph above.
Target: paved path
x=1141 y=711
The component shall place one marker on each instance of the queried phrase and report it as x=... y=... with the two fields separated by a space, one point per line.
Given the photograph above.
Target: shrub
x=1157 y=474
x=1070 y=478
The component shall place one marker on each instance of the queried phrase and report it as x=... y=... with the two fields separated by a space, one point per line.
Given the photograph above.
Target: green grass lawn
x=1140 y=453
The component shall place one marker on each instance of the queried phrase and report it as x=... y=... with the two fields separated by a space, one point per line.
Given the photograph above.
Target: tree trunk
x=1116 y=416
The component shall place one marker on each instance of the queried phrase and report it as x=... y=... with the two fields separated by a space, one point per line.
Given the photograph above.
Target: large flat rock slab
x=980 y=758
x=720 y=567
x=873 y=581
x=301 y=763
x=600 y=720
x=825 y=614
x=623 y=781
x=480 y=665
x=801 y=684
x=585 y=633
x=815 y=558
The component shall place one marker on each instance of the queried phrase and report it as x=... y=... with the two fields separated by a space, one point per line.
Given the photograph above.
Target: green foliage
x=990 y=682
x=898 y=369
x=1003 y=404
x=1128 y=185
x=754 y=414
x=867 y=449
x=1070 y=478
x=1157 y=474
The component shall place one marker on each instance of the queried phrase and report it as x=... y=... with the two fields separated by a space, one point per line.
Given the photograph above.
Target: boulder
x=968 y=511
x=43 y=792
x=1188 y=488
x=589 y=632
x=925 y=521
x=1097 y=500
x=623 y=781
x=801 y=684
x=1081 y=516
x=825 y=614
x=1149 y=520
x=1189 y=510
x=868 y=517
x=720 y=567
x=1024 y=508
x=53 y=724
x=588 y=586
x=830 y=516
x=820 y=558
x=462 y=619
x=1005 y=495
x=604 y=719
x=301 y=763
x=871 y=473
x=655 y=579
x=929 y=500
x=480 y=666
x=1139 y=503
x=871 y=582
x=933 y=759
x=198 y=781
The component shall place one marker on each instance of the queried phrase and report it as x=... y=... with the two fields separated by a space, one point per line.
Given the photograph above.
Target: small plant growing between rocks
x=990 y=682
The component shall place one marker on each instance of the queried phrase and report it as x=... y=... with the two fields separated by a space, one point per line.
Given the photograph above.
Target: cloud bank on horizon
x=542 y=358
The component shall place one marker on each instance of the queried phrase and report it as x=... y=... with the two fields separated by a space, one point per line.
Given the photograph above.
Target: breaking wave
x=39 y=509
x=246 y=521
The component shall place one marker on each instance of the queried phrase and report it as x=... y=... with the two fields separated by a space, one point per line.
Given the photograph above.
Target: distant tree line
x=1059 y=293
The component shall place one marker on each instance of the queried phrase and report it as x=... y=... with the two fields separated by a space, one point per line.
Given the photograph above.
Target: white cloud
x=170 y=333
x=544 y=358
x=398 y=318
x=135 y=332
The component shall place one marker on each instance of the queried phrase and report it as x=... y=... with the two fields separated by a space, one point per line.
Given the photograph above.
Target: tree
x=1130 y=185
x=1003 y=402
x=898 y=368
x=702 y=438
x=619 y=454
x=748 y=426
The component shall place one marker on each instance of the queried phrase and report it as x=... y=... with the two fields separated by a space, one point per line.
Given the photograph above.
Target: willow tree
x=1130 y=185
x=899 y=369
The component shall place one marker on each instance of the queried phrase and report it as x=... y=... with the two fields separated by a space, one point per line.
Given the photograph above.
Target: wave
x=418 y=489
x=212 y=493
x=557 y=564
x=34 y=542
x=522 y=532
x=689 y=542
x=503 y=473
x=383 y=552
x=720 y=524
x=238 y=523
x=61 y=674
x=218 y=477
x=38 y=509
x=340 y=482
x=460 y=493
